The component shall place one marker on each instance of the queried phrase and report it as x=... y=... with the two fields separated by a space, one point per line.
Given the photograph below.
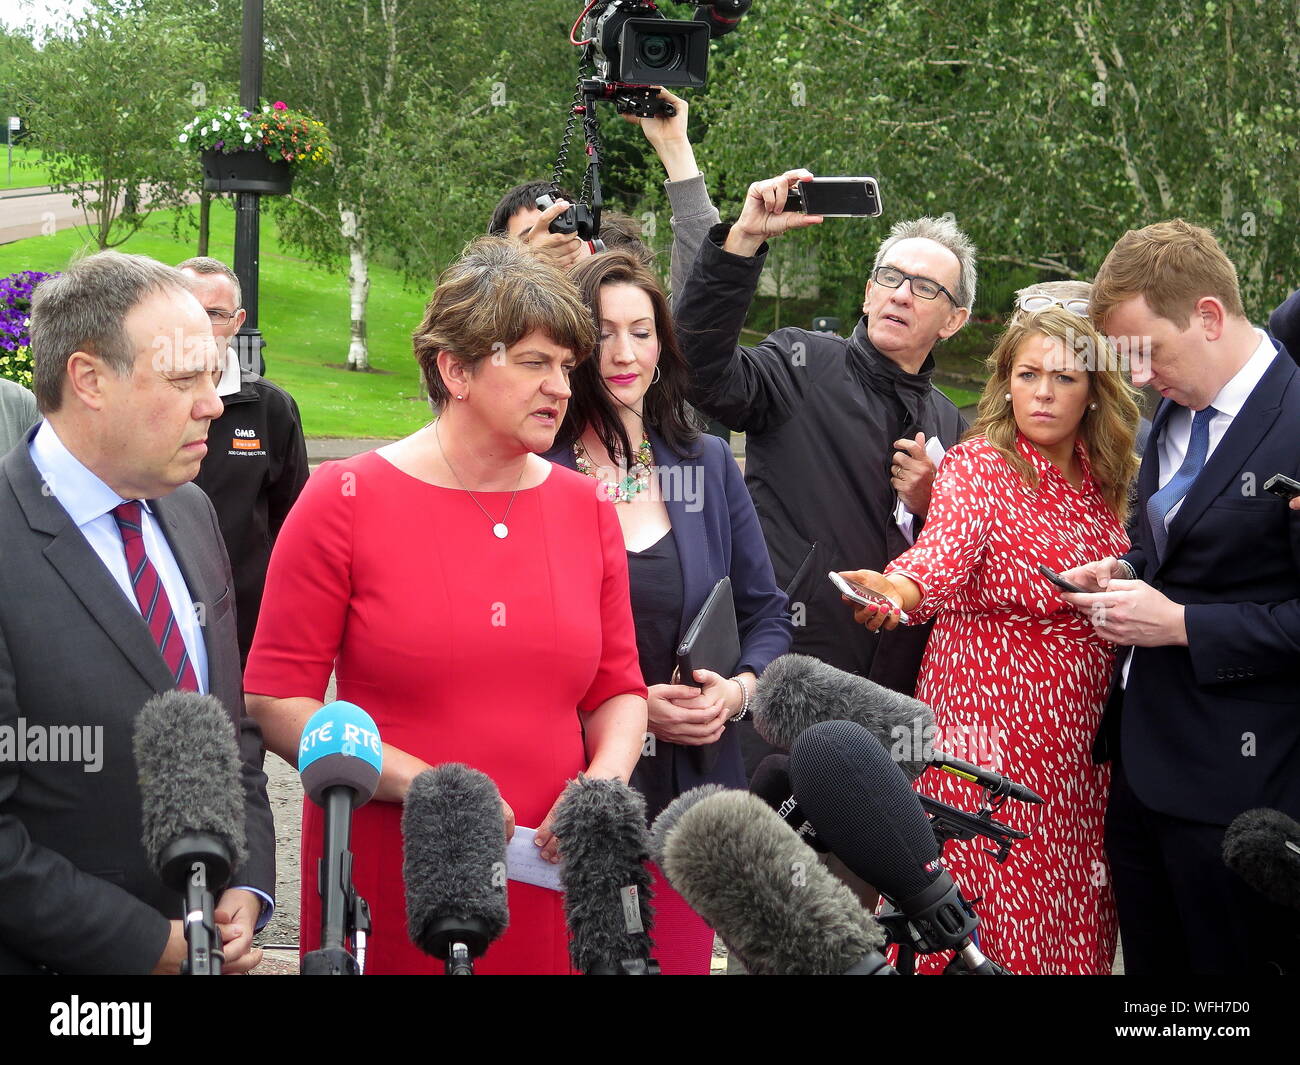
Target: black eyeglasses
x=224 y=316
x=921 y=286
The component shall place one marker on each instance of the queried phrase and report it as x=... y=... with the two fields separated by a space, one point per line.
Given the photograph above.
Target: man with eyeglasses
x=257 y=458
x=842 y=433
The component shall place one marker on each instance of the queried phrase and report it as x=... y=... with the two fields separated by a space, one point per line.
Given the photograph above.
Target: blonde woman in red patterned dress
x=1016 y=678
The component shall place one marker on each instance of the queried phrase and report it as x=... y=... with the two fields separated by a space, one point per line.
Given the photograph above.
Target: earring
x=654 y=377
x=460 y=397
x=1092 y=406
x=1007 y=397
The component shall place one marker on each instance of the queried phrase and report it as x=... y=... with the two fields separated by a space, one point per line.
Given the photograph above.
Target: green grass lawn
x=28 y=168
x=304 y=318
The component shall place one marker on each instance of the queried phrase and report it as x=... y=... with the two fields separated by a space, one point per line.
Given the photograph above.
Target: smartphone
x=836 y=197
x=1282 y=485
x=865 y=596
x=1059 y=581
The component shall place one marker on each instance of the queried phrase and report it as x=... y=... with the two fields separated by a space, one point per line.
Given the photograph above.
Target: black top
x=655 y=579
x=255 y=467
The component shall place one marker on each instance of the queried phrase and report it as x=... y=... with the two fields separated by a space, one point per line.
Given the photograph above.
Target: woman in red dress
x=1017 y=679
x=469 y=595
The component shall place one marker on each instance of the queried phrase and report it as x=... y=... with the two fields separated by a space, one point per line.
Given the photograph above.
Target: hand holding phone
x=836 y=197
x=864 y=596
x=1059 y=581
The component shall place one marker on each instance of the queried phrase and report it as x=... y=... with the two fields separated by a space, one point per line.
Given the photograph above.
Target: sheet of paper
x=902 y=516
x=525 y=864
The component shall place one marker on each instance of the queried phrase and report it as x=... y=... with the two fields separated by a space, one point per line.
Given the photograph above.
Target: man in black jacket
x=257 y=459
x=841 y=434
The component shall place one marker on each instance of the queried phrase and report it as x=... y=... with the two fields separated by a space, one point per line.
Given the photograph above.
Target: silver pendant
x=500 y=531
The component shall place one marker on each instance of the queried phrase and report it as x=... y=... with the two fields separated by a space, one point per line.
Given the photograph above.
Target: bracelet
x=1128 y=568
x=744 y=701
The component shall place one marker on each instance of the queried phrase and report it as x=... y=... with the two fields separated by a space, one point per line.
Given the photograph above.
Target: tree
x=434 y=110
x=1047 y=129
x=104 y=104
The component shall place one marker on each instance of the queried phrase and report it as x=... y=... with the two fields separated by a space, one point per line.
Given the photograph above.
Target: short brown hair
x=623 y=232
x=1172 y=265
x=206 y=265
x=84 y=309
x=489 y=299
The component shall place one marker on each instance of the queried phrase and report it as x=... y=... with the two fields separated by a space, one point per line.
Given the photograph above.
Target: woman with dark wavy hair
x=1016 y=677
x=687 y=522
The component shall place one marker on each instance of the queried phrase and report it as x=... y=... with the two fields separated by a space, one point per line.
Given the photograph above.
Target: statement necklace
x=499 y=528
x=631 y=486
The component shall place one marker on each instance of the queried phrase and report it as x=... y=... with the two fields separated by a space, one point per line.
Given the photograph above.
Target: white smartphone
x=864 y=596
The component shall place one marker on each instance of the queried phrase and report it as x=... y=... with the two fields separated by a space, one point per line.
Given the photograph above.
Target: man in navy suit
x=1204 y=717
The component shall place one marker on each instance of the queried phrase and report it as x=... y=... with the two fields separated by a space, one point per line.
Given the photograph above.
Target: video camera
x=632 y=49
x=633 y=46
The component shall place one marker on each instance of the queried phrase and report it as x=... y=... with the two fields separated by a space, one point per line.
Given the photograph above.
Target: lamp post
x=248 y=204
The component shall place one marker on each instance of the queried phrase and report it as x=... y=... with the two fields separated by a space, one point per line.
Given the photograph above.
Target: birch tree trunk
x=358 y=289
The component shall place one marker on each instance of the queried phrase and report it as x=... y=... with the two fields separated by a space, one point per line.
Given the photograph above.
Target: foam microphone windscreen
x=600 y=826
x=670 y=814
x=797 y=691
x=454 y=862
x=764 y=891
x=340 y=748
x=864 y=807
x=1263 y=848
x=188 y=765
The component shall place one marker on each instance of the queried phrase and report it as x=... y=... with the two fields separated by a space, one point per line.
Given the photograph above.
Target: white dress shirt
x=89 y=502
x=1176 y=435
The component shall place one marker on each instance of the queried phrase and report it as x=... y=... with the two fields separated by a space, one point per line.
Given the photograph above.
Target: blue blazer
x=716 y=530
x=1209 y=730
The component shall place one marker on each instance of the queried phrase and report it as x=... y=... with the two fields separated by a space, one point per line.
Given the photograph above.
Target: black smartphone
x=836 y=197
x=1059 y=581
x=1282 y=485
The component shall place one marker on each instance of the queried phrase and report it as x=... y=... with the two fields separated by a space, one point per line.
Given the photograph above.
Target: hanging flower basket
x=247 y=171
x=255 y=151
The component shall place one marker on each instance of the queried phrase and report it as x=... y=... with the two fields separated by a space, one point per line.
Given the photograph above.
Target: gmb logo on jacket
x=246 y=442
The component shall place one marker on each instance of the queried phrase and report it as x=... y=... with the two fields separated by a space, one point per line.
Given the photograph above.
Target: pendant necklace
x=499 y=528
x=628 y=488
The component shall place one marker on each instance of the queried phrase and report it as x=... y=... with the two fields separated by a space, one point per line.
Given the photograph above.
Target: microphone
x=1263 y=848
x=766 y=894
x=600 y=826
x=771 y=783
x=454 y=865
x=797 y=691
x=191 y=809
x=671 y=814
x=340 y=759
x=866 y=812
x=996 y=784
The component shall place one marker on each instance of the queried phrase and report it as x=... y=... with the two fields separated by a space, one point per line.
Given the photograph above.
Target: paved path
x=36 y=212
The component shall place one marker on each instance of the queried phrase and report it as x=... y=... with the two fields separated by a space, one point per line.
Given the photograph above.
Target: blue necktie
x=1163 y=501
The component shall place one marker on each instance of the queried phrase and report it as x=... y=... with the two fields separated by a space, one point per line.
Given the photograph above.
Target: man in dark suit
x=114 y=586
x=1204 y=717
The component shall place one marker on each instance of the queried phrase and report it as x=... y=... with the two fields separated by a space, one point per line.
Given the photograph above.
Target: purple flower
x=16 y=307
x=219 y=145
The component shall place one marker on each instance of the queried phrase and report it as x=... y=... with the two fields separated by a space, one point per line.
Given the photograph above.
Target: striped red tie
x=152 y=597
